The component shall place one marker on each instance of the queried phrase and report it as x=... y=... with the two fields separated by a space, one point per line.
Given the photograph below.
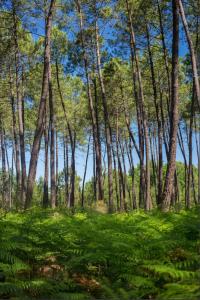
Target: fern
x=57 y=255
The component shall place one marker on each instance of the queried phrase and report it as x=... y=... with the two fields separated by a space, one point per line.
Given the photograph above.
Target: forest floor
x=47 y=254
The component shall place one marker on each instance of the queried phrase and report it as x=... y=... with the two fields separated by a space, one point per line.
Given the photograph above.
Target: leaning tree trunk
x=174 y=116
x=44 y=93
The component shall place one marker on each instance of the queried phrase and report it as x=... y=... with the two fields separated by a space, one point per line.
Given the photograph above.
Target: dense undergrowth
x=51 y=254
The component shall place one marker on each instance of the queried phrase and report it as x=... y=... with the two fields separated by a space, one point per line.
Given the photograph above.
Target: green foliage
x=87 y=255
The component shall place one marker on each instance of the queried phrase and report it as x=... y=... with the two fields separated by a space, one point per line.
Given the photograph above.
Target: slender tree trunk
x=52 y=143
x=16 y=141
x=116 y=179
x=126 y=186
x=160 y=158
x=148 y=203
x=164 y=49
x=181 y=144
x=4 y=173
x=44 y=93
x=94 y=173
x=140 y=130
x=57 y=183
x=98 y=148
x=73 y=170
x=46 y=164
x=174 y=117
x=106 y=120
x=121 y=178
x=94 y=120
x=20 y=108
x=85 y=171
x=192 y=52
x=132 y=171
x=197 y=139
x=66 y=169
x=153 y=165
x=9 y=175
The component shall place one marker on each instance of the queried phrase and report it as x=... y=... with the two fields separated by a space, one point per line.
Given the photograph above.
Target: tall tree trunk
x=9 y=175
x=44 y=93
x=148 y=203
x=94 y=172
x=16 y=140
x=116 y=178
x=73 y=170
x=122 y=191
x=106 y=120
x=94 y=120
x=100 y=190
x=4 y=173
x=45 y=202
x=132 y=171
x=174 y=116
x=140 y=128
x=52 y=143
x=160 y=158
x=57 y=183
x=20 y=108
x=66 y=168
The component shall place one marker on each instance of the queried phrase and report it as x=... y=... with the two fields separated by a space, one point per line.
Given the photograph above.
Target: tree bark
x=44 y=93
